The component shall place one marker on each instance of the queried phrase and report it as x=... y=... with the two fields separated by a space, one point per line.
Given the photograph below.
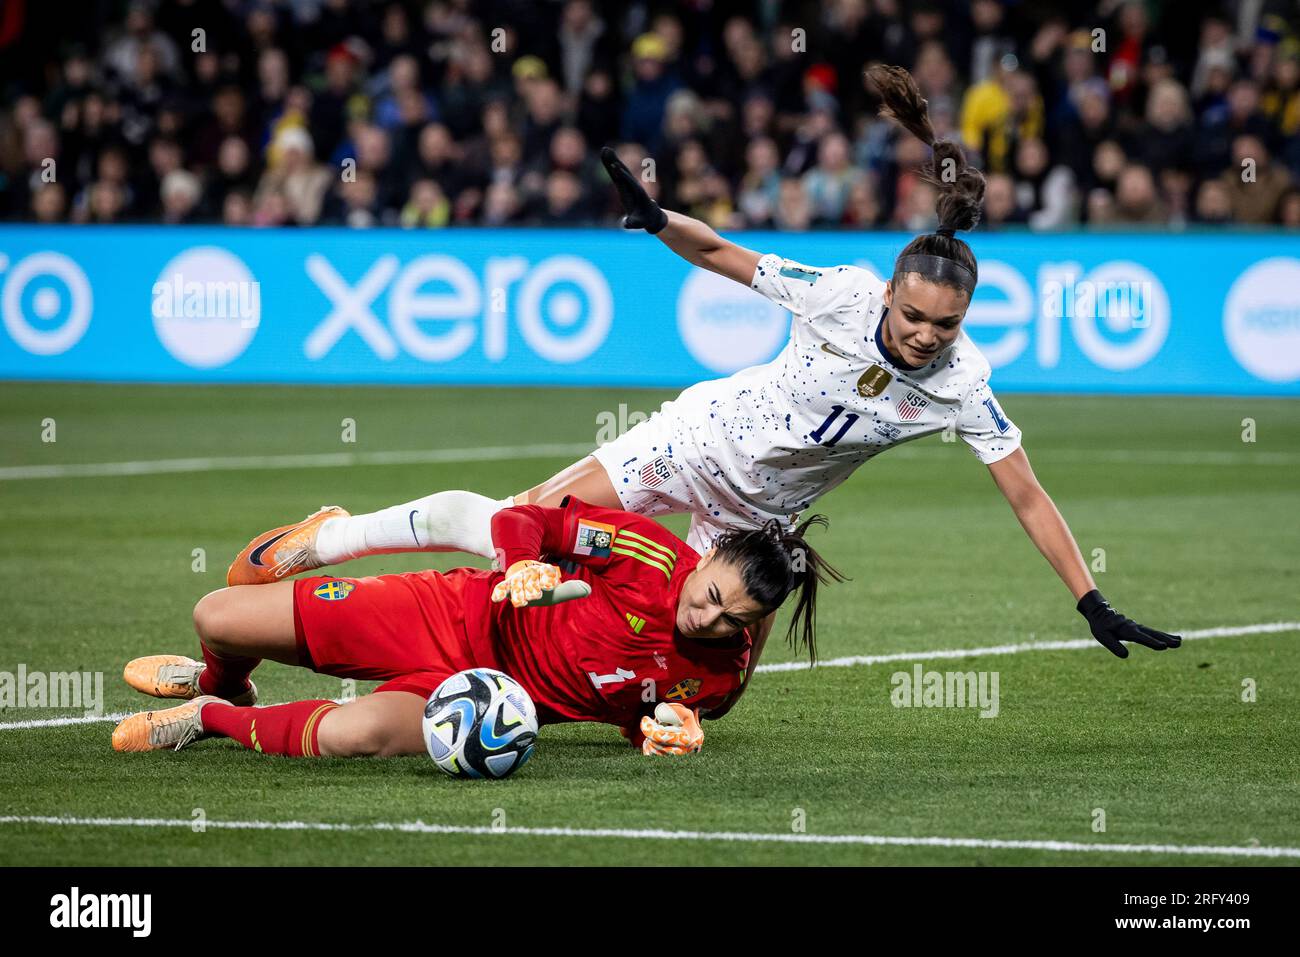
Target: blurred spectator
x=1001 y=206
x=828 y=184
x=653 y=83
x=49 y=203
x=760 y=187
x=1108 y=160
x=1047 y=195
x=1213 y=203
x=1131 y=46
x=1238 y=115
x=863 y=208
x=354 y=202
x=581 y=37
x=1167 y=136
x=181 y=192
x=295 y=176
x=1254 y=183
x=1137 y=202
x=138 y=41
x=237 y=208
x=234 y=171
x=998 y=112
x=1288 y=209
x=501 y=206
x=427 y=207
x=1080 y=134
x=563 y=206
x=793 y=211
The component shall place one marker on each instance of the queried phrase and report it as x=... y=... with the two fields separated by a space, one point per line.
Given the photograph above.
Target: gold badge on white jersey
x=873 y=382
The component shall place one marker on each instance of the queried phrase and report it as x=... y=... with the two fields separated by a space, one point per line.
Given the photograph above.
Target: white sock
x=442 y=522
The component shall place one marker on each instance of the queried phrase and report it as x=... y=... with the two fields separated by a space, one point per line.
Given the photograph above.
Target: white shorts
x=654 y=476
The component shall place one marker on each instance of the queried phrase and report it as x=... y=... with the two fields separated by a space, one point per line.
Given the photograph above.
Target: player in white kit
x=869 y=365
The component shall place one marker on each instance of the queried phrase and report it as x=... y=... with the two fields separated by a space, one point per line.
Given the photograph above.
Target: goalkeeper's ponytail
x=775 y=562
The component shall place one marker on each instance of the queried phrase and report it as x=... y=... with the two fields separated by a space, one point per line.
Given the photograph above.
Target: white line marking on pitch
x=488 y=453
x=742 y=837
x=62 y=722
x=321 y=460
x=1073 y=644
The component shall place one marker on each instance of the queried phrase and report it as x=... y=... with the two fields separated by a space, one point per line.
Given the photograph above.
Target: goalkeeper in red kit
x=644 y=634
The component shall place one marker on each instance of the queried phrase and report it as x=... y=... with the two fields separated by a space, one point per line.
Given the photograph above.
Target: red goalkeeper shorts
x=407 y=631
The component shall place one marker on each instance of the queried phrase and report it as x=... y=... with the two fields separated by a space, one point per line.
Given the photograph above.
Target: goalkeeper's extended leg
x=382 y=724
x=288 y=729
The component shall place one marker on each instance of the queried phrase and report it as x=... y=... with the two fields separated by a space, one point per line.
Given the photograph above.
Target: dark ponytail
x=960 y=186
x=775 y=561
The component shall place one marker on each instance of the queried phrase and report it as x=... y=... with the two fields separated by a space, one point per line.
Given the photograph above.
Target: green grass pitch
x=1200 y=530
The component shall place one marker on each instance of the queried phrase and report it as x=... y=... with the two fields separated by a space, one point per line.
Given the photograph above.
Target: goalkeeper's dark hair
x=960 y=186
x=775 y=561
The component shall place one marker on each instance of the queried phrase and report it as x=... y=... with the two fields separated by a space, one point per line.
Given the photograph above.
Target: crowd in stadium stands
x=475 y=112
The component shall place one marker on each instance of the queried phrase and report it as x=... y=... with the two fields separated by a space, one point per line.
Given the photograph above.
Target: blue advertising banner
x=1211 y=313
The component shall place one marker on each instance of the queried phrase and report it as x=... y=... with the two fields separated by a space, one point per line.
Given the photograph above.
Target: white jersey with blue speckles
x=780 y=435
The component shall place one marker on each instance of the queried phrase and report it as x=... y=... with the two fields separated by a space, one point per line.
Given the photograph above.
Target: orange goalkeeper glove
x=529 y=583
x=674 y=729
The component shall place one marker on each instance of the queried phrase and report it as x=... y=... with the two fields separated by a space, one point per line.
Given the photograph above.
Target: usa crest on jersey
x=656 y=473
x=911 y=406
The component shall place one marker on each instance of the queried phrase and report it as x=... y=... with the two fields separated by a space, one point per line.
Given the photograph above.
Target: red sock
x=225 y=677
x=289 y=729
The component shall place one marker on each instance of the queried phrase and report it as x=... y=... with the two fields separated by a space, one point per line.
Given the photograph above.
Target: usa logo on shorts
x=334 y=591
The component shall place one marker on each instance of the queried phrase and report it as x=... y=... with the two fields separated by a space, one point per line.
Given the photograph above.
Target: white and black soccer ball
x=480 y=723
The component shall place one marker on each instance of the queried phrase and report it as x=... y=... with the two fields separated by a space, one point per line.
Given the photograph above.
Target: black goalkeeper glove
x=641 y=211
x=1111 y=628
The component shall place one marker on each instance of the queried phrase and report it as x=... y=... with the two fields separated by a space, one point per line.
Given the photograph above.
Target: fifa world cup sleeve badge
x=594 y=539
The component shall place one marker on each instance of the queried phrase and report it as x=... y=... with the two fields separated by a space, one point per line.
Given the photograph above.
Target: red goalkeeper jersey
x=612 y=655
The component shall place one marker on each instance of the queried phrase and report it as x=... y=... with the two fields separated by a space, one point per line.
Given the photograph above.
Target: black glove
x=642 y=211
x=1111 y=628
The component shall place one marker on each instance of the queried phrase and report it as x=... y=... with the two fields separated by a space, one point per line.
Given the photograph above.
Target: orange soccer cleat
x=281 y=552
x=174 y=676
x=172 y=729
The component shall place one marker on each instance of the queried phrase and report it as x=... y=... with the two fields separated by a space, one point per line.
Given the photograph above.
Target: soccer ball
x=480 y=723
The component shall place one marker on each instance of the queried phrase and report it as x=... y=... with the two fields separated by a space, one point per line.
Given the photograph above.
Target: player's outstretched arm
x=1047 y=529
x=689 y=238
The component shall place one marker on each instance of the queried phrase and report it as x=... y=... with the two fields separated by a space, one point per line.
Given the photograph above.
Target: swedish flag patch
x=686 y=688
x=334 y=591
